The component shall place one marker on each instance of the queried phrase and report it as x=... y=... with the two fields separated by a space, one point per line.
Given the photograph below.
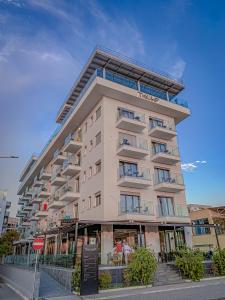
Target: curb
x=125 y=288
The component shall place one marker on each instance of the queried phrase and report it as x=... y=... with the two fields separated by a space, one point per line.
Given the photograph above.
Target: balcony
x=34 y=218
x=29 y=192
x=44 y=175
x=162 y=130
x=73 y=143
x=41 y=214
x=69 y=194
x=71 y=167
x=58 y=158
x=133 y=148
x=172 y=184
x=57 y=179
x=165 y=156
x=36 y=200
x=37 y=182
x=54 y=203
x=8 y=204
x=43 y=193
x=25 y=224
x=25 y=198
x=28 y=208
x=132 y=121
x=138 y=180
x=180 y=213
x=144 y=212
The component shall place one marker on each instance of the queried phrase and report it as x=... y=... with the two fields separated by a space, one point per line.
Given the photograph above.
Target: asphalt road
x=6 y=293
x=205 y=290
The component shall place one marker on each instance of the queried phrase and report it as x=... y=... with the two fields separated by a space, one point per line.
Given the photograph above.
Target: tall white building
x=112 y=169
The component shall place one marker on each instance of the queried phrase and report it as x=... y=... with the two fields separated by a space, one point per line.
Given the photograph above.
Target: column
x=188 y=236
x=56 y=244
x=152 y=239
x=106 y=242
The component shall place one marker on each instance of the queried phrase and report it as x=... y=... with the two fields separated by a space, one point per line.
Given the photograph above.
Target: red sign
x=38 y=244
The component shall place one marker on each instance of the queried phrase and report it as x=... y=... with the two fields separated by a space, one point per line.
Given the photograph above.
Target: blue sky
x=44 y=44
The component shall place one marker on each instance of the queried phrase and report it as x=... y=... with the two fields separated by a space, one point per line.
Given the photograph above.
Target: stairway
x=167 y=273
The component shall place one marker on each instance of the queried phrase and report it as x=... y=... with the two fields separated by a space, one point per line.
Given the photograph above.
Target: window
x=156 y=123
x=165 y=205
x=98 y=138
x=85 y=127
x=85 y=150
x=162 y=175
x=84 y=176
x=129 y=203
x=98 y=113
x=91 y=120
x=83 y=204
x=90 y=172
x=127 y=139
x=91 y=145
x=89 y=202
x=158 y=147
x=123 y=112
x=98 y=166
x=98 y=199
x=128 y=169
x=201 y=230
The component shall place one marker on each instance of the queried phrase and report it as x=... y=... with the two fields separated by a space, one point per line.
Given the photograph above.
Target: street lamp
x=12 y=156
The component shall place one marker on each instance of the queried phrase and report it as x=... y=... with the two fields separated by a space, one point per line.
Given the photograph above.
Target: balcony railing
x=179 y=210
x=168 y=151
x=122 y=113
x=133 y=143
x=172 y=179
x=142 y=174
x=145 y=208
x=162 y=125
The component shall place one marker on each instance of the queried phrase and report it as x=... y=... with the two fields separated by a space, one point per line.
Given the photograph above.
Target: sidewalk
x=123 y=292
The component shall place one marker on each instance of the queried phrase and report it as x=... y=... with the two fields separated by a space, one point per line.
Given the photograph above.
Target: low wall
x=21 y=279
x=62 y=275
x=115 y=271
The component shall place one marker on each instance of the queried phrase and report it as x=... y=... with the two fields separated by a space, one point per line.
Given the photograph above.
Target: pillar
x=152 y=239
x=188 y=236
x=56 y=244
x=107 y=243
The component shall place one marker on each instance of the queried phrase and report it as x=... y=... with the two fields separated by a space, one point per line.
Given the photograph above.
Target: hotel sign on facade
x=147 y=97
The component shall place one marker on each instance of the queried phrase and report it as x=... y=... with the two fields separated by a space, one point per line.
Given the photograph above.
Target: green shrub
x=190 y=263
x=219 y=261
x=141 y=267
x=76 y=278
x=105 y=280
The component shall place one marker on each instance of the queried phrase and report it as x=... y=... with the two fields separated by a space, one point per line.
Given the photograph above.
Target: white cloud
x=189 y=167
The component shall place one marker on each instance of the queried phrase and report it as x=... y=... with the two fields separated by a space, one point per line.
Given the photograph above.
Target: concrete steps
x=167 y=274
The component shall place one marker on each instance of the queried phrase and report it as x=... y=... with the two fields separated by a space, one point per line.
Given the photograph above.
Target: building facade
x=4 y=212
x=12 y=224
x=206 y=237
x=111 y=171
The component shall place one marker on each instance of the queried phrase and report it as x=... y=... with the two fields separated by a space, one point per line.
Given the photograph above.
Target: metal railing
x=171 y=179
x=122 y=113
x=141 y=173
x=145 y=208
x=162 y=124
x=133 y=143
x=167 y=150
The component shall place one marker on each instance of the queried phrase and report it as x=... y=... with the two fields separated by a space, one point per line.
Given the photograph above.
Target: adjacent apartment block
x=4 y=212
x=112 y=169
x=208 y=237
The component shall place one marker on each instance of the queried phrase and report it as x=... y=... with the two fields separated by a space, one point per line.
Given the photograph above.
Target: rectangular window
x=85 y=150
x=156 y=123
x=83 y=204
x=162 y=175
x=165 y=205
x=128 y=169
x=89 y=202
x=98 y=138
x=123 y=112
x=98 y=166
x=84 y=176
x=159 y=147
x=91 y=145
x=85 y=127
x=98 y=199
x=129 y=204
x=91 y=120
x=201 y=230
x=98 y=113
x=90 y=172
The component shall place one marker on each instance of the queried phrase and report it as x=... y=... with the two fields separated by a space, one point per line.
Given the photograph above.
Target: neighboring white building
x=113 y=165
x=4 y=212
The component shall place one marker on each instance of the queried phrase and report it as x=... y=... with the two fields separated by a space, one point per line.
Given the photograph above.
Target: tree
x=6 y=242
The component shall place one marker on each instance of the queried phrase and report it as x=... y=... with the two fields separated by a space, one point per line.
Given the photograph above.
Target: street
x=6 y=293
x=204 y=290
